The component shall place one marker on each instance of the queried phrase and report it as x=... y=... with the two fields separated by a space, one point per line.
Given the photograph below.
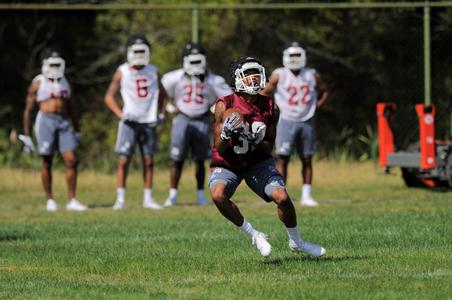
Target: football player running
x=193 y=90
x=52 y=92
x=143 y=95
x=242 y=150
x=298 y=92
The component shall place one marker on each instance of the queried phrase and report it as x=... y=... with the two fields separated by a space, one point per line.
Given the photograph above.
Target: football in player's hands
x=233 y=123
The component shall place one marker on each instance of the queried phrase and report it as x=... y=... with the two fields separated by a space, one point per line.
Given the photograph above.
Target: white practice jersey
x=49 y=88
x=192 y=96
x=140 y=93
x=296 y=96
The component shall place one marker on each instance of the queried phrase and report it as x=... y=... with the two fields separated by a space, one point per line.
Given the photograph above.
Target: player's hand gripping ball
x=258 y=131
x=233 y=124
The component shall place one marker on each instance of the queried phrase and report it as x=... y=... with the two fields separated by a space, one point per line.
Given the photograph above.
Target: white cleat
x=306 y=247
x=75 y=205
x=202 y=201
x=151 y=204
x=51 y=205
x=170 y=202
x=309 y=202
x=261 y=243
x=119 y=205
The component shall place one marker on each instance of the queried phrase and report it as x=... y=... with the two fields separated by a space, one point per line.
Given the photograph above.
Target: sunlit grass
x=383 y=240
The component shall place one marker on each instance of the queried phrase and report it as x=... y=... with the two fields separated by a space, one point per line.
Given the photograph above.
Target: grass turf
x=384 y=241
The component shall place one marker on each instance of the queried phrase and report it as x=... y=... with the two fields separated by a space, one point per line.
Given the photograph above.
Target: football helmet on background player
x=53 y=64
x=194 y=59
x=294 y=56
x=241 y=69
x=138 y=50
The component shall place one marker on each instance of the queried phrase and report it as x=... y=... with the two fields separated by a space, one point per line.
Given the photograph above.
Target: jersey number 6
x=142 y=87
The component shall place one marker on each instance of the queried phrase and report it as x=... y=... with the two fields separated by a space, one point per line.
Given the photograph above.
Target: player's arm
x=169 y=85
x=219 y=143
x=112 y=90
x=267 y=144
x=30 y=103
x=162 y=99
x=271 y=85
x=322 y=90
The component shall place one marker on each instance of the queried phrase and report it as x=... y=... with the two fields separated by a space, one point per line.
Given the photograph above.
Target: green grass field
x=384 y=241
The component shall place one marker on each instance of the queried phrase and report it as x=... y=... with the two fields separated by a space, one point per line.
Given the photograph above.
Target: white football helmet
x=138 y=50
x=53 y=65
x=194 y=59
x=239 y=75
x=294 y=57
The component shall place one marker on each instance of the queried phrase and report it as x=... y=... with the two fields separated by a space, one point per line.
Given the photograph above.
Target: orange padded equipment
x=385 y=113
x=426 y=117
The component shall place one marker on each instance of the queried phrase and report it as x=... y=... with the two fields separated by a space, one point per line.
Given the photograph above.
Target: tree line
x=366 y=56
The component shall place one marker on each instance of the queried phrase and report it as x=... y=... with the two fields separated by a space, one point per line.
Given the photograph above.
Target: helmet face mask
x=138 y=54
x=194 y=60
x=250 y=78
x=195 y=64
x=53 y=66
x=138 y=50
x=294 y=57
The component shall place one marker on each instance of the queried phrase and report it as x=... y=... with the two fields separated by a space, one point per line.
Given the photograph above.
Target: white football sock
x=200 y=194
x=147 y=195
x=172 y=193
x=121 y=194
x=247 y=228
x=294 y=233
x=306 y=191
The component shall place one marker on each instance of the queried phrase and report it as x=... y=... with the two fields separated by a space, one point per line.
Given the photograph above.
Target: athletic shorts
x=54 y=132
x=296 y=136
x=263 y=178
x=131 y=133
x=190 y=135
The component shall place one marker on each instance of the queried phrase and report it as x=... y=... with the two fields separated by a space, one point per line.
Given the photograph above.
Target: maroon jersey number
x=198 y=99
x=294 y=92
x=142 y=88
x=63 y=94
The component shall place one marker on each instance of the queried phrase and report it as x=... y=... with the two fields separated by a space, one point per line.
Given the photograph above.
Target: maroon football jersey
x=243 y=155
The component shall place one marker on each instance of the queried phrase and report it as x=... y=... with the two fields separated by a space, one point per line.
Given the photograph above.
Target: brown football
x=228 y=112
